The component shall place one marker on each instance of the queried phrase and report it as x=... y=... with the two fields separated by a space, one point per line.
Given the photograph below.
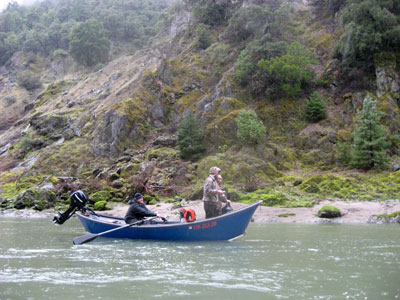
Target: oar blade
x=84 y=238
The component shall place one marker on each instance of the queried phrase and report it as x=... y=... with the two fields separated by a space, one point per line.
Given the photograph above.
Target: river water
x=273 y=261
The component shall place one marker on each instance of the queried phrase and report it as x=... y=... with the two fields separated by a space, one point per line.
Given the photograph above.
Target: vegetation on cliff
x=119 y=97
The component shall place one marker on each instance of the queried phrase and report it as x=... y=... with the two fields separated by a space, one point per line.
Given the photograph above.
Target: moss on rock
x=392 y=215
x=52 y=92
x=148 y=199
x=381 y=186
x=283 y=158
x=100 y=196
x=25 y=199
x=100 y=205
x=269 y=197
x=285 y=215
x=12 y=184
x=327 y=184
x=329 y=211
x=162 y=153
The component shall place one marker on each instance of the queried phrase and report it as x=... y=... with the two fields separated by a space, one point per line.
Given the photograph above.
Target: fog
x=4 y=3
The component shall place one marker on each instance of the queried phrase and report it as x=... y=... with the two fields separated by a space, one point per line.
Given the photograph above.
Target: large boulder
x=49 y=125
x=316 y=137
x=25 y=199
x=113 y=133
x=329 y=211
x=181 y=23
x=162 y=153
x=37 y=199
x=166 y=140
x=387 y=80
x=393 y=218
x=316 y=145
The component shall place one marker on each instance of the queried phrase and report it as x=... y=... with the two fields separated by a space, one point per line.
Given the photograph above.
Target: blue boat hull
x=225 y=227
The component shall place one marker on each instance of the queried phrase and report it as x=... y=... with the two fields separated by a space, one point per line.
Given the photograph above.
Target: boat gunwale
x=161 y=225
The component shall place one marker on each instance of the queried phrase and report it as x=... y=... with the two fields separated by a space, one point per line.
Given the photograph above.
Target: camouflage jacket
x=210 y=189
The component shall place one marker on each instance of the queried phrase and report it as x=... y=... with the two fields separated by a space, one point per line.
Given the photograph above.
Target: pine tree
x=315 y=108
x=369 y=144
x=190 y=139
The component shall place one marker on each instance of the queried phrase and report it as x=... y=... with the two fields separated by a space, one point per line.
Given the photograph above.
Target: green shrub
x=203 y=35
x=27 y=144
x=246 y=22
x=287 y=74
x=28 y=80
x=60 y=54
x=209 y=12
x=246 y=65
x=250 y=128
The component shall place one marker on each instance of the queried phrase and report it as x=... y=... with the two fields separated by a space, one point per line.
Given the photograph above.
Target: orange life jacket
x=188 y=214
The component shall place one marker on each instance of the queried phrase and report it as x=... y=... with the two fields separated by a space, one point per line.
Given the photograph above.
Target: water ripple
x=294 y=262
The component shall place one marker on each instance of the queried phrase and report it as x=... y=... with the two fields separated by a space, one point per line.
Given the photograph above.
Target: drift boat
x=226 y=227
x=229 y=226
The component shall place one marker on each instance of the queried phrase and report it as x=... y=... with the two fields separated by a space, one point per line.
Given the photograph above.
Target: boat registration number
x=203 y=226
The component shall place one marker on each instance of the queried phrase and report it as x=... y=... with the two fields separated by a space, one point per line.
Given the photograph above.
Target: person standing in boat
x=211 y=191
x=138 y=210
x=222 y=198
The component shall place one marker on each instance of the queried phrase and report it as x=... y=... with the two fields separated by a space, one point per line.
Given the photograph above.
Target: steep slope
x=112 y=131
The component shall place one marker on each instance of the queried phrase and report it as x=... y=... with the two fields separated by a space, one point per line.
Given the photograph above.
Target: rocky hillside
x=111 y=129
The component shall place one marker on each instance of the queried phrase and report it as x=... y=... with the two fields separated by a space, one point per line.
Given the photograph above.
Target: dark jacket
x=138 y=211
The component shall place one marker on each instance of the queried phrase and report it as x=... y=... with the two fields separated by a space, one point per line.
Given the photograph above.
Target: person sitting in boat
x=211 y=190
x=138 y=210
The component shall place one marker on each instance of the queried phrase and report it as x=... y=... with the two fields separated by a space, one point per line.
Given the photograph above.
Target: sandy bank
x=353 y=212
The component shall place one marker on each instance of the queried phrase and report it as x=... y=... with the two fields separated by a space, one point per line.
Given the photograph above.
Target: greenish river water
x=273 y=261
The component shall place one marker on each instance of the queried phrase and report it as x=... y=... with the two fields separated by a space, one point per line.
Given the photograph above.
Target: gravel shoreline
x=355 y=212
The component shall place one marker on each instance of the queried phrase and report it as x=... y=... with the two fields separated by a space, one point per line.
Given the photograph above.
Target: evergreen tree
x=190 y=139
x=204 y=38
x=315 y=108
x=369 y=144
x=250 y=128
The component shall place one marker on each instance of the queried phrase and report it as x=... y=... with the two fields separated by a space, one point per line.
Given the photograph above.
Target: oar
x=91 y=236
